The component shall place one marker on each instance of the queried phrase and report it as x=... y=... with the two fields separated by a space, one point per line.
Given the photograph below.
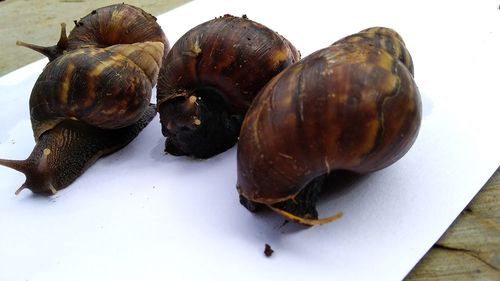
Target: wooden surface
x=470 y=249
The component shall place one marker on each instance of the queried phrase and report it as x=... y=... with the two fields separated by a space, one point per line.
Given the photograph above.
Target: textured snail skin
x=211 y=76
x=351 y=106
x=91 y=99
x=65 y=152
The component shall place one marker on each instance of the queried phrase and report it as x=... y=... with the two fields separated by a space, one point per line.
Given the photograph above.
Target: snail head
x=37 y=172
x=198 y=124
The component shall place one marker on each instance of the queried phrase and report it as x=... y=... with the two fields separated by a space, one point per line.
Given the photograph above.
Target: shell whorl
x=116 y=24
x=225 y=54
x=147 y=56
x=104 y=27
x=210 y=78
x=104 y=87
x=347 y=106
x=382 y=38
x=102 y=73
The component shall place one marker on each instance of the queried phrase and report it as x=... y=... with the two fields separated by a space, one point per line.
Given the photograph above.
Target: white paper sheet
x=140 y=215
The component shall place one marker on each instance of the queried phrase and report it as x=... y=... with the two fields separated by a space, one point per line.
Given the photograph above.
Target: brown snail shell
x=104 y=27
x=384 y=38
x=89 y=101
x=211 y=76
x=104 y=87
x=351 y=106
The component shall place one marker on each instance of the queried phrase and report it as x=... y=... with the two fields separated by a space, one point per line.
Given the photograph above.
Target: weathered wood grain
x=470 y=249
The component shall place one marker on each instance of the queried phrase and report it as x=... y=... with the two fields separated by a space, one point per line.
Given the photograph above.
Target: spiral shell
x=227 y=60
x=351 y=106
x=92 y=98
x=115 y=24
x=107 y=26
x=102 y=73
x=103 y=87
x=382 y=38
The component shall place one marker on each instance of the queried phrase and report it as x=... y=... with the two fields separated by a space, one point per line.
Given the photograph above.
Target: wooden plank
x=470 y=249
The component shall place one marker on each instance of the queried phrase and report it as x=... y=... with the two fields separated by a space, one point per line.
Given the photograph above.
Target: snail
x=91 y=99
x=104 y=27
x=211 y=76
x=351 y=106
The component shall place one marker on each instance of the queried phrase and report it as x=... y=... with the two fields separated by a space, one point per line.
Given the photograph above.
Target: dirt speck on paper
x=268 y=251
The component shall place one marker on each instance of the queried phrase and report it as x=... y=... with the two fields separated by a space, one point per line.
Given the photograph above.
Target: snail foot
x=302 y=208
x=250 y=205
x=51 y=166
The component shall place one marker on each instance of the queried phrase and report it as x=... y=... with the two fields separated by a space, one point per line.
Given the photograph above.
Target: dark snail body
x=211 y=76
x=61 y=155
x=92 y=98
x=352 y=106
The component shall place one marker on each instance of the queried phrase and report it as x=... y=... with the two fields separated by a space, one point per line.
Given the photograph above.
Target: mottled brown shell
x=234 y=55
x=210 y=78
x=116 y=24
x=104 y=27
x=103 y=87
x=348 y=107
x=382 y=38
x=102 y=73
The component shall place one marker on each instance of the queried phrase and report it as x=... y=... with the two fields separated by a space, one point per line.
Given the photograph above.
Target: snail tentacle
x=51 y=52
